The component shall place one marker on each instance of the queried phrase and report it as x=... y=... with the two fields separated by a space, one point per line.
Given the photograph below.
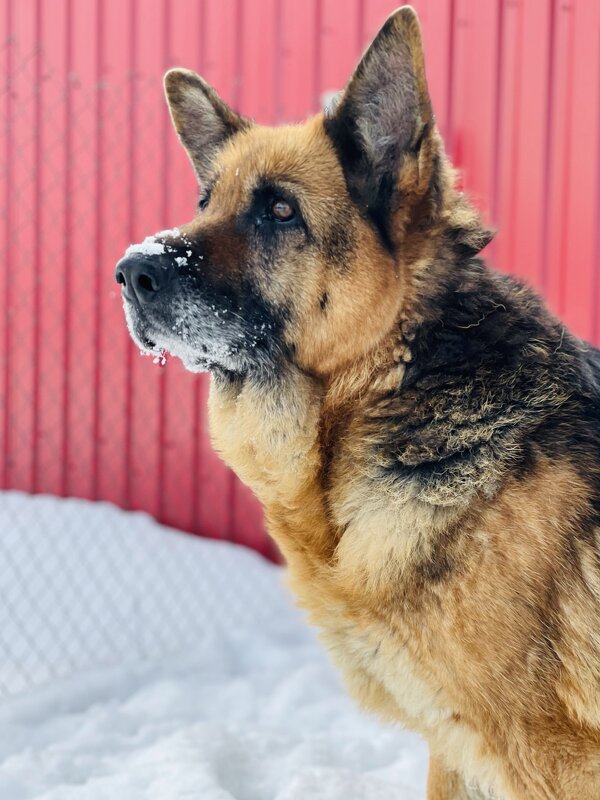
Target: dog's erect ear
x=202 y=120
x=385 y=112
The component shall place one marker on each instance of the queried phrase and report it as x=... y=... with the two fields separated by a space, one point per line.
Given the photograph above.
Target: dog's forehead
x=299 y=157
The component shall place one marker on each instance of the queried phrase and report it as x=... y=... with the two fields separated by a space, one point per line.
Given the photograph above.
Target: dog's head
x=303 y=241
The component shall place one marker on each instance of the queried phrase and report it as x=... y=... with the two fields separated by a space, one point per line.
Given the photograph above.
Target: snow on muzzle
x=169 y=309
x=144 y=273
x=147 y=268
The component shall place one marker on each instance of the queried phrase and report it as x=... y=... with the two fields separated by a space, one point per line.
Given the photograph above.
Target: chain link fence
x=85 y=585
x=89 y=164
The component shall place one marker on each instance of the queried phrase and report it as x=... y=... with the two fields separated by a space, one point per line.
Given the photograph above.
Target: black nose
x=142 y=277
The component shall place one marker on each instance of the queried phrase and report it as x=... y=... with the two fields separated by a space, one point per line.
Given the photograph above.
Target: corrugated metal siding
x=90 y=164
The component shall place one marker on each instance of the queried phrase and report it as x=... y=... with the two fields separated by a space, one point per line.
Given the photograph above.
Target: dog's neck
x=280 y=434
x=268 y=432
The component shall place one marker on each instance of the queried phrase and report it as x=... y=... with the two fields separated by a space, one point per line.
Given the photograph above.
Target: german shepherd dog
x=423 y=434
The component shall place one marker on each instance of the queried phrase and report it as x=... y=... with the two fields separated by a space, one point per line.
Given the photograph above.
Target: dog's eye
x=203 y=201
x=282 y=210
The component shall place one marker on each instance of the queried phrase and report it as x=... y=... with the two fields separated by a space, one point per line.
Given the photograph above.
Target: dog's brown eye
x=282 y=210
x=203 y=201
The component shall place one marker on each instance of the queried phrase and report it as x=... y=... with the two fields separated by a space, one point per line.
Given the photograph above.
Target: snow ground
x=223 y=695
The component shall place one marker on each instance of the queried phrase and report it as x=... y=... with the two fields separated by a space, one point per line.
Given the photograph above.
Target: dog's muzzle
x=143 y=278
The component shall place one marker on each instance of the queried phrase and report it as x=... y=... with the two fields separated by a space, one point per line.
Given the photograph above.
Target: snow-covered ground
x=140 y=663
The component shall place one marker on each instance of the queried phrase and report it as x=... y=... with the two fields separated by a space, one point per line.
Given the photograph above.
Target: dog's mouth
x=160 y=340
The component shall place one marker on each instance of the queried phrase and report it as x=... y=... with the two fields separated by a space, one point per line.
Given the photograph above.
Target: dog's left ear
x=384 y=117
x=202 y=120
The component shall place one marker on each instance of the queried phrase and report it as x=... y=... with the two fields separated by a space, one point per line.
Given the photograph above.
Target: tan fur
x=463 y=660
x=351 y=552
x=429 y=666
x=443 y=784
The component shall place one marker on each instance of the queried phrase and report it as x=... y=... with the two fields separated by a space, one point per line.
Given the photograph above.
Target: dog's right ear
x=202 y=120
x=384 y=120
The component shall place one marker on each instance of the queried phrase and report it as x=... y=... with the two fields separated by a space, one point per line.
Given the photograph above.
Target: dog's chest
x=377 y=663
x=386 y=676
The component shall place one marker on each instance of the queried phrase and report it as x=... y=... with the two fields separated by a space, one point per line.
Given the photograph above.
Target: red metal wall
x=90 y=164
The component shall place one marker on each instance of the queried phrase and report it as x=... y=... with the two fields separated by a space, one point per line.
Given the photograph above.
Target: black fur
x=373 y=197
x=494 y=381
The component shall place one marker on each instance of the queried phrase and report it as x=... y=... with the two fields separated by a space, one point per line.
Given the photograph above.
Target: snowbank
x=206 y=683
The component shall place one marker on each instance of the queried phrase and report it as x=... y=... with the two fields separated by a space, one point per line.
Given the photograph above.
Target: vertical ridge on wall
x=569 y=25
x=131 y=101
x=520 y=179
x=336 y=56
x=497 y=123
x=115 y=208
x=36 y=219
x=68 y=311
x=81 y=300
x=91 y=164
x=548 y=148
x=572 y=225
x=5 y=228
x=579 y=243
x=260 y=59
x=148 y=182
x=21 y=299
x=98 y=234
x=449 y=63
x=474 y=97
x=50 y=170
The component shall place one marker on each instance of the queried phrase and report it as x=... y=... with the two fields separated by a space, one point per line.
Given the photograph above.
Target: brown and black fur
x=424 y=435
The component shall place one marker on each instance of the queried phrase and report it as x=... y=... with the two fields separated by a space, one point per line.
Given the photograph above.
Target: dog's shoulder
x=489 y=367
x=496 y=393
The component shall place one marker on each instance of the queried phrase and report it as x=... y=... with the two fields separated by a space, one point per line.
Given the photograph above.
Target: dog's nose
x=142 y=278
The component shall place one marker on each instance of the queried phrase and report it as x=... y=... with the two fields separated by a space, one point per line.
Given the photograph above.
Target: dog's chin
x=218 y=359
x=196 y=363
x=142 y=337
x=196 y=359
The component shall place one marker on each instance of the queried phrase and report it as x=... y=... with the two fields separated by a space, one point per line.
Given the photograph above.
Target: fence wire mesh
x=85 y=141
x=85 y=585
x=89 y=164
